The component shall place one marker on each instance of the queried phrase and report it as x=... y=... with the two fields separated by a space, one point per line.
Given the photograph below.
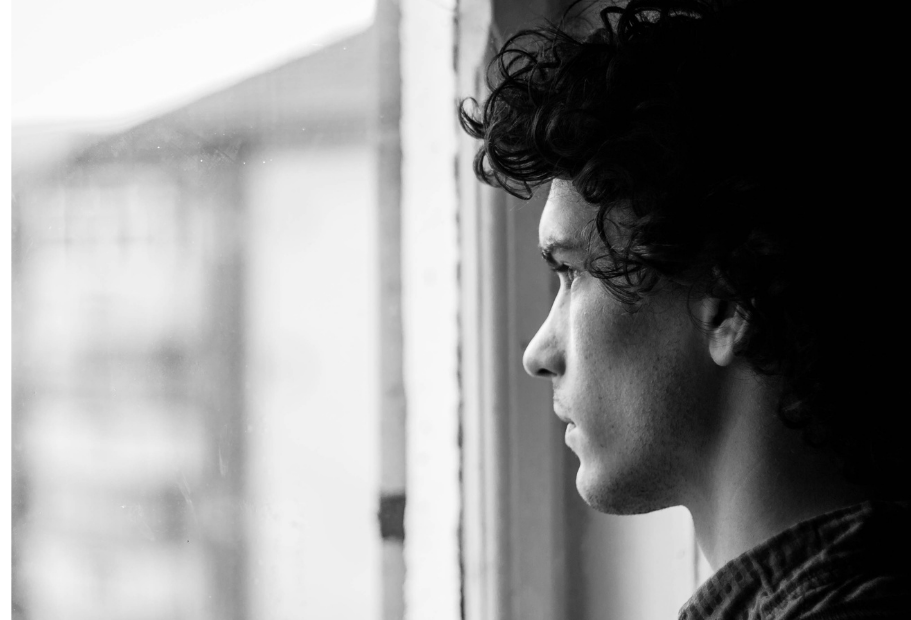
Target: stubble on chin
x=626 y=493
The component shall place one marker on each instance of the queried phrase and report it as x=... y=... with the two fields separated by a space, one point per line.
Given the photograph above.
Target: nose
x=544 y=355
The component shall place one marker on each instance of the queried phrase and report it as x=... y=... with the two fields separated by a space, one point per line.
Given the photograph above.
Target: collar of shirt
x=844 y=557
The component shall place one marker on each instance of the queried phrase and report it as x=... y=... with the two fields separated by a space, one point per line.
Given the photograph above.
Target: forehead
x=567 y=218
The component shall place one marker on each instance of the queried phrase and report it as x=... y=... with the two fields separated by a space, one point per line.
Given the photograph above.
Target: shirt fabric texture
x=849 y=564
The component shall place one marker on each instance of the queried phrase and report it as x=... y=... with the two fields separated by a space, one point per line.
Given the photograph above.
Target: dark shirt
x=850 y=564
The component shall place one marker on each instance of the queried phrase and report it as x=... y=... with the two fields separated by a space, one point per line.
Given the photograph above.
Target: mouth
x=568 y=432
x=570 y=425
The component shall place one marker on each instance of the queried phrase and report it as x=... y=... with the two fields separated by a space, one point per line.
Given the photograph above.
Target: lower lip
x=569 y=428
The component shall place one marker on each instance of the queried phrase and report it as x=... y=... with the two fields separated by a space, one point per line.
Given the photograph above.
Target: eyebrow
x=548 y=249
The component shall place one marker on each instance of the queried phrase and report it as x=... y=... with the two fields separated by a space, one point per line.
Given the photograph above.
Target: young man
x=722 y=329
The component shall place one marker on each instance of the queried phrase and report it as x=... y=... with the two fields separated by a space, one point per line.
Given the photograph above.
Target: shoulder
x=861 y=573
x=892 y=608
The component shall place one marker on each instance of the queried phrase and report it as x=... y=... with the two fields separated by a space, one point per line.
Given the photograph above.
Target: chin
x=621 y=493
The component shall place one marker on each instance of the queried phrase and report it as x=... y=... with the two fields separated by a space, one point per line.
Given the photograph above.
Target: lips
x=559 y=409
x=564 y=418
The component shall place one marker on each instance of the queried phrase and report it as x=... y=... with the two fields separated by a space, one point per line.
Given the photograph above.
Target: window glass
x=195 y=415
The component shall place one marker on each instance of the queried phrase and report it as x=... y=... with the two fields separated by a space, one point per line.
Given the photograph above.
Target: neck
x=761 y=478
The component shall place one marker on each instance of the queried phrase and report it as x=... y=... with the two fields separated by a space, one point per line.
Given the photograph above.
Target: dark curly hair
x=732 y=144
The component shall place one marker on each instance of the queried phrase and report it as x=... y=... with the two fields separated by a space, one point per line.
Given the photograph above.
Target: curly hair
x=711 y=128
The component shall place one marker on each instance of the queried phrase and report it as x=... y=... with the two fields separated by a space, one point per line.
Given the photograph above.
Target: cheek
x=609 y=345
x=627 y=365
x=600 y=362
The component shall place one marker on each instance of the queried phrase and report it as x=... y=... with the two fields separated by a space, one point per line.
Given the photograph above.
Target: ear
x=726 y=328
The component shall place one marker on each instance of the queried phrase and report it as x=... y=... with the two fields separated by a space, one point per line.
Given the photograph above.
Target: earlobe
x=726 y=327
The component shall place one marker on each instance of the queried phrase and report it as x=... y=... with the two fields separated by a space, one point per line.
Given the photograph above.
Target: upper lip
x=558 y=409
x=563 y=417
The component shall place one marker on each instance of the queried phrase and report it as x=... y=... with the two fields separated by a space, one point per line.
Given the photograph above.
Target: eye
x=566 y=273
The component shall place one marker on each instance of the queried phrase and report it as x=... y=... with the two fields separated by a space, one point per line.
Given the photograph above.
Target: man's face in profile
x=634 y=386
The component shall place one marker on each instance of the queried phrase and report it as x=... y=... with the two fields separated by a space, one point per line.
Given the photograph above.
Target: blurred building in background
x=195 y=414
